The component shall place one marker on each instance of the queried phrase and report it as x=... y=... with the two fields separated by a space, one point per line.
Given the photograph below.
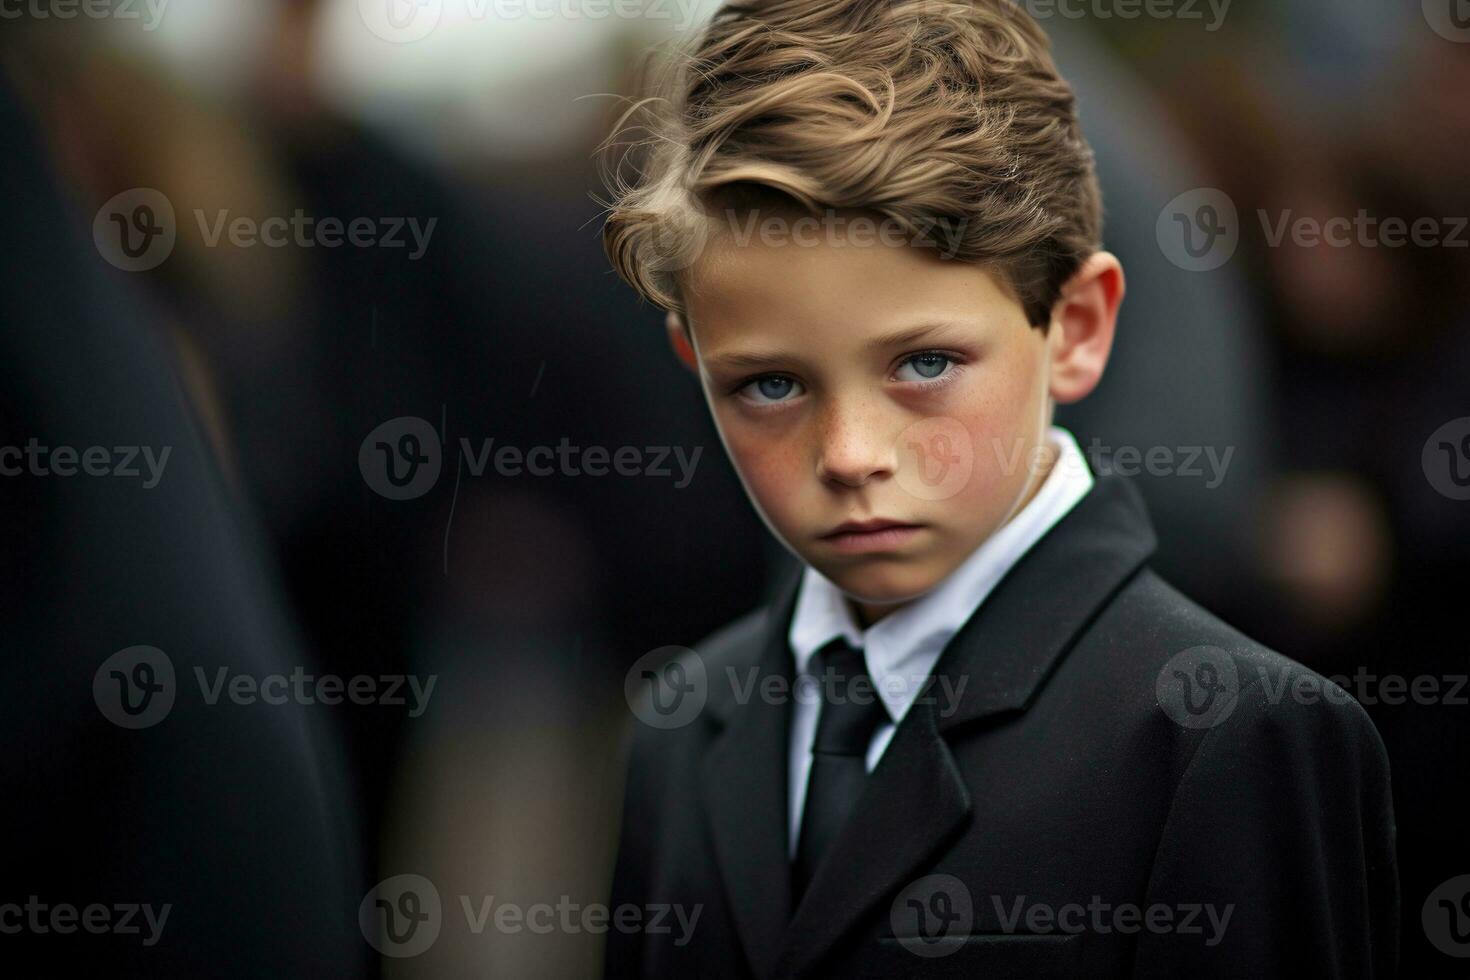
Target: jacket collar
x=1010 y=645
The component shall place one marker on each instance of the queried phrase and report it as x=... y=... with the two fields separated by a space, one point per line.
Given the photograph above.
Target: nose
x=854 y=443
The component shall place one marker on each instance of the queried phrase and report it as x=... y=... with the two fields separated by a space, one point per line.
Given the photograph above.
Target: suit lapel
x=1008 y=648
x=913 y=804
x=745 y=791
x=916 y=801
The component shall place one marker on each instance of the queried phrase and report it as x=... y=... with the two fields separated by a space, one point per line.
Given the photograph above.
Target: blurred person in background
x=148 y=830
x=525 y=597
x=1324 y=112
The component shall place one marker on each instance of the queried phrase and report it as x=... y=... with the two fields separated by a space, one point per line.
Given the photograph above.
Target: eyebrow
x=904 y=337
x=748 y=359
x=911 y=335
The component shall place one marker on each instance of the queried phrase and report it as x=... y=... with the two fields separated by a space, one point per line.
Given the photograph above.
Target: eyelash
x=956 y=364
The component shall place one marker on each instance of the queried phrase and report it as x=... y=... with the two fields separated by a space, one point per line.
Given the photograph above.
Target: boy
x=977 y=736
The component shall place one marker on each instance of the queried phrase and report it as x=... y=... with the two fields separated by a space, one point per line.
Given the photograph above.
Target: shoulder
x=1212 y=681
x=702 y=670
x=677 y=693
x=738 y=643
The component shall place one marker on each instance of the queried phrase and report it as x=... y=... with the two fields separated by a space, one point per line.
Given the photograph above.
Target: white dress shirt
x=902 y=648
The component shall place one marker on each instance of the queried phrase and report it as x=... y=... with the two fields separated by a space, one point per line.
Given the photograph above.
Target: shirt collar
x=902 y=648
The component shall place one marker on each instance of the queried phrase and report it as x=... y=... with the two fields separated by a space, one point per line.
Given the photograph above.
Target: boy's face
x=873 y=383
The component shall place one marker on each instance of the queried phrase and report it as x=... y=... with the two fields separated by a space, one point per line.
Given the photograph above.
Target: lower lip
x=864 y=542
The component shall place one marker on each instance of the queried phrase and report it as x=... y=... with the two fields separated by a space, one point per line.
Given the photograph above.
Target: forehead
x=829 y=278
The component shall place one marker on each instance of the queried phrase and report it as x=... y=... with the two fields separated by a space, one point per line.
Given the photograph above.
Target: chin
x=884 y=582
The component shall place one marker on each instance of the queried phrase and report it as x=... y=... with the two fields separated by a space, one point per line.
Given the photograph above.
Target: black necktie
x=849 y=712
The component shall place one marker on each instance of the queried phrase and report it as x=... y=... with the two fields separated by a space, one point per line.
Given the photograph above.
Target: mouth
x=874 y=535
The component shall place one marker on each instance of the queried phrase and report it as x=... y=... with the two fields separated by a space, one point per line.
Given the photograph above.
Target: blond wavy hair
x=930 y=113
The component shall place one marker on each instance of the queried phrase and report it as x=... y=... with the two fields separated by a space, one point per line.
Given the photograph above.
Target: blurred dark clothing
x=1367 y=417
x=234 y=815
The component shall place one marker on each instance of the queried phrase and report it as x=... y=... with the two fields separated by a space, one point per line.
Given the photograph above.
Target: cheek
x=1002 y=417
x=769 y=468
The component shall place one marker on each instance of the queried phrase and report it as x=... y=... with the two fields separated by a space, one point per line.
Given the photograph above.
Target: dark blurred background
x=1312 y=383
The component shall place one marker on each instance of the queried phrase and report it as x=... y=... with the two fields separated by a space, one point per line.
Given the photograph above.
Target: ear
x=680 y=340
x=1083 y=322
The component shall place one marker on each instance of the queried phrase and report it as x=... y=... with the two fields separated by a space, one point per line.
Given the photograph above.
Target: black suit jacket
x=1085 y=822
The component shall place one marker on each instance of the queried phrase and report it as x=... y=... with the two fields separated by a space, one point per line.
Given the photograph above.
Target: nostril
x=855 y=470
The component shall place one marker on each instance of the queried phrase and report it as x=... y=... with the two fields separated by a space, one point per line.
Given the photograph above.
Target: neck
x=1037 y=479
x=867 y=614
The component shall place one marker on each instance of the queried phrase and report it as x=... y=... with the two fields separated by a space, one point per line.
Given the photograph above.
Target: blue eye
x=771 y=389
x=926 y=366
